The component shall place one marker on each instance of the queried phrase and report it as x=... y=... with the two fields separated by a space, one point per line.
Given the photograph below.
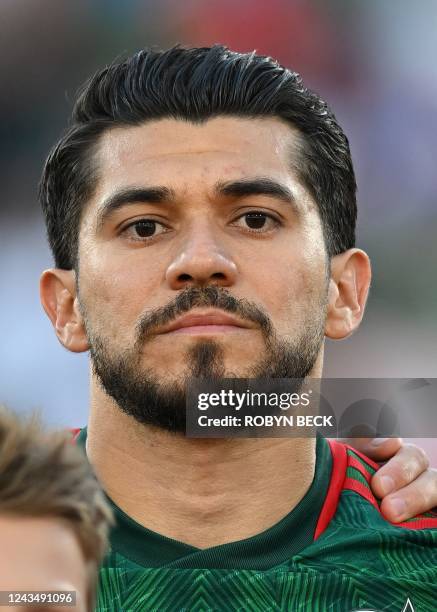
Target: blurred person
x=201 y=210
x=54 y=519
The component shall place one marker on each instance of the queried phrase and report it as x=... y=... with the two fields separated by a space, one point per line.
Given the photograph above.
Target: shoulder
x=350 y=497
x=359 y=472
x=74 y=431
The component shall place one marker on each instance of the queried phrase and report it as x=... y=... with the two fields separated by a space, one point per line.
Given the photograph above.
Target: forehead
x=40 y=554
x=171 y=150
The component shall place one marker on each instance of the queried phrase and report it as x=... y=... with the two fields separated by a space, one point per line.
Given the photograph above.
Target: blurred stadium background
x=374 y=62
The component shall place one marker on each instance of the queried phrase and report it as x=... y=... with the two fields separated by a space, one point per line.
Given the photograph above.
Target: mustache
x=191 y=297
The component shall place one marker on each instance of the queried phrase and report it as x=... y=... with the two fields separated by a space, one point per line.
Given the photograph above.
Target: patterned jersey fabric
x=334 y=552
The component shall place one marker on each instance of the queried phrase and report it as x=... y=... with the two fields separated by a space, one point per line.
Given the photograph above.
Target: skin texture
x=41 y=554
x=203 y=492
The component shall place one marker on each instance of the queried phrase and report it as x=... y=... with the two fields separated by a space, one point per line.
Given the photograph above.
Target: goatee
x=152 y=400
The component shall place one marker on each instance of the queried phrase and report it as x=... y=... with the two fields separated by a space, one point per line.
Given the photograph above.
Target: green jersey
x=334 y=552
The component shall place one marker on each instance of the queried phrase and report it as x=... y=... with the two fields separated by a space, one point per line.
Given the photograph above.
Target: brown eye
x=145 y=228
x=256 y=220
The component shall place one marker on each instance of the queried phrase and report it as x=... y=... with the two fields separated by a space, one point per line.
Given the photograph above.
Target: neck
x=203 y=492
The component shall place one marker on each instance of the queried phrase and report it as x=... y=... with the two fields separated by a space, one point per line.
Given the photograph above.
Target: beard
x=151 y=400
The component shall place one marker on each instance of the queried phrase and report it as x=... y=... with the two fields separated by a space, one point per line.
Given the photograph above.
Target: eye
x=144 y=229
x=258 y=221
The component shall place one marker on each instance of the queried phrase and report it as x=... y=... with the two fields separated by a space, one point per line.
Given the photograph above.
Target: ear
x=347 y=295
x=59 y=300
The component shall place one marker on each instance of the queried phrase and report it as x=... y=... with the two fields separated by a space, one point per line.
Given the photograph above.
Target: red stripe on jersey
x=419 y=523
x=369 y=462
x=75 y=431
x=355 y=485
x=339 y=464
x=353 y=462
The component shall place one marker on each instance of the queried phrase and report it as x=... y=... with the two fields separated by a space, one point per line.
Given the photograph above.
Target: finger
x=408 y=463
x=418 y=497
x=378 y=449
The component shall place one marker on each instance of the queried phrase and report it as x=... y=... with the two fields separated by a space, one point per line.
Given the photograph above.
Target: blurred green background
x=374 y=62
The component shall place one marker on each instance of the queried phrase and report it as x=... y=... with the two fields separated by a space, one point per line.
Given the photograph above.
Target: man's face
x=203 y=220
x=41 y=554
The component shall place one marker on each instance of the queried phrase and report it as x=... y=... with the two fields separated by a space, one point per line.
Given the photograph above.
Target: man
x=201 y=211
x=54 y=520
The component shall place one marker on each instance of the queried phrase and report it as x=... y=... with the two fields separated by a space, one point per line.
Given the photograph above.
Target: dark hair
x=195 y=85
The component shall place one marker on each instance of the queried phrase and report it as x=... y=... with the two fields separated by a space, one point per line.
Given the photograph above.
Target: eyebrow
x=160 y=194
x=257 y=186
x=133 y=195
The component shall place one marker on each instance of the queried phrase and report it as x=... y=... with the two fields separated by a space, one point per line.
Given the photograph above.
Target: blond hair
x=42 y=474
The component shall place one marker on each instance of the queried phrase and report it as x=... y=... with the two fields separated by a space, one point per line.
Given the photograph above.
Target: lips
x=214 y=319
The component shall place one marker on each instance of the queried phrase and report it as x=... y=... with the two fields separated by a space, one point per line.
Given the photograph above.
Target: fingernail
x=378 y=441
x=387 y=484
x=398 y=505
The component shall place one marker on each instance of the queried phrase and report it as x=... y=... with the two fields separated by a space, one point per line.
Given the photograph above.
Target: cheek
x=295 y=289
x=114 y=295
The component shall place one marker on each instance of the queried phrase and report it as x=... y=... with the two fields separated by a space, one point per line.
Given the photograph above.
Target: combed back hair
x=195 y=85
x=44 y=475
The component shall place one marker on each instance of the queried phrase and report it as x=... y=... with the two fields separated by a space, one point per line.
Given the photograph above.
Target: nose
x=200 y=262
